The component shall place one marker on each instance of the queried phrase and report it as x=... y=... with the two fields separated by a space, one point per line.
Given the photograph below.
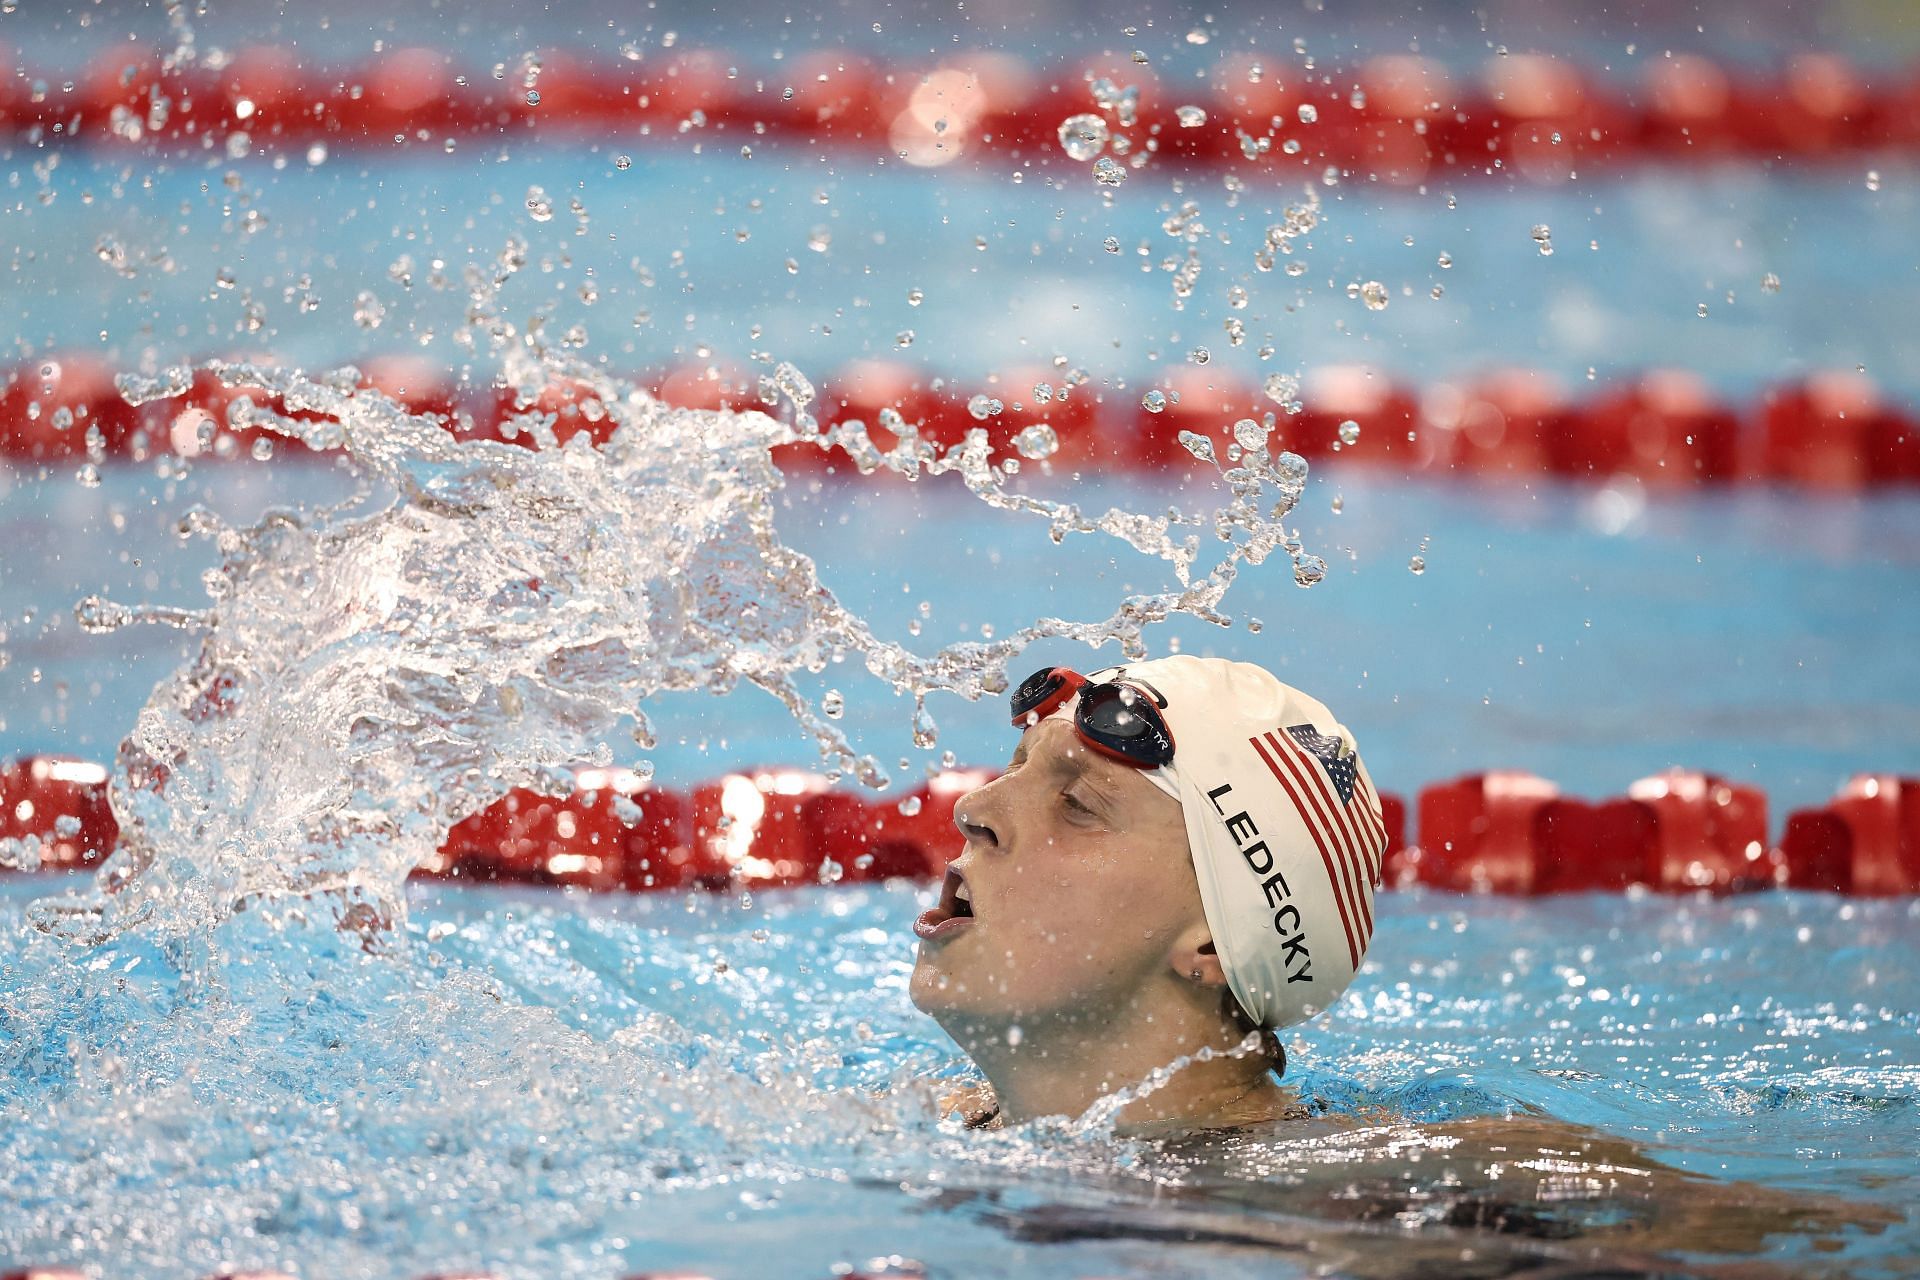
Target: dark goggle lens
x=1041 y=694
x=1125 y=722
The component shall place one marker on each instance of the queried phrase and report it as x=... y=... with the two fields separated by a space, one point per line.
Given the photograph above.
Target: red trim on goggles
x=1121 y=721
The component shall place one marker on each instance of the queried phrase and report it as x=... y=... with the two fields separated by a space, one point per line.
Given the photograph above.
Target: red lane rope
x=1499 y=832
x=1832 y=430
x=1396 y=119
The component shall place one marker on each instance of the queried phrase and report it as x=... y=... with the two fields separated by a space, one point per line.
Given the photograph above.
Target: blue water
x=1635 y=257
x=553 y=1085
x=1592 y=638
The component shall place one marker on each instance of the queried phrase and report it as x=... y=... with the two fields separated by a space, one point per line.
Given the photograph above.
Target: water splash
x=479 y=616
x=1104 y=1113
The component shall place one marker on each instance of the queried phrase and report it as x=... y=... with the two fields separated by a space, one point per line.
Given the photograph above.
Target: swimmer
x=1178 y=862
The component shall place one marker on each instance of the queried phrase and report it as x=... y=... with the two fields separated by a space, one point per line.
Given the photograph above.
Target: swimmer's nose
x=974 y=829
x=974 y=815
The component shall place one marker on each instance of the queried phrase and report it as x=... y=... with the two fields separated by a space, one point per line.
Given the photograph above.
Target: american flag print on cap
x=1321 y=776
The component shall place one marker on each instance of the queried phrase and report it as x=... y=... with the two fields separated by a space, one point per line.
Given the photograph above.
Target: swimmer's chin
x=934 y=991
x=928 y=988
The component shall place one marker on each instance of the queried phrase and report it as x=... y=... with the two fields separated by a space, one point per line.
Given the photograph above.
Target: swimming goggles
x=1117 y=718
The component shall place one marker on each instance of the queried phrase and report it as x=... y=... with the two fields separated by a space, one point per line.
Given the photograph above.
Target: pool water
x=554 y=1085
x=545 y=1084
x=1594 y=636
x=688 y=253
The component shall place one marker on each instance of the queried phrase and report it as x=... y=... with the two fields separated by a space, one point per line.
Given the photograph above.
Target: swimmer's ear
x=1193 y=958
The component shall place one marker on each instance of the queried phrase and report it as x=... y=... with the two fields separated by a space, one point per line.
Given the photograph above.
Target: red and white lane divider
x=1831 y=430
x=1501 y=832
x=1397 y=119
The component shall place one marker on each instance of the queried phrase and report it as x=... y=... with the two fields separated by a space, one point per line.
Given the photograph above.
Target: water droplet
x=88 y=476
x=1445 y=260
x=904 y=338
x=1140 y=56
x=1437 y=290
x=1154 y=401
x=1543 y=236
x=1374 y=294
x=833 y=704
x=1309 y=569
x=1701 y=311
x=915 y=297
x=1349 y=432
x=1769 y=283
x=98 y=616
x=368 y=310
x=819 y=239
x=1873 y=179
x=1200 y=355
x=1037 y=441
x=317 y=154
x=1083 y=136
x=533 y=97
x=1190 y=117
x=1418 y=564
x=983 y=407
x=910 y=806
x=539 y=205
x=1042 y=393
x=262 y=449
x=1308 y=113
x=1014 y=1036
x=1339 y=504
x=1197 y=445
x=1237 y=296
x=1107 y=172
x=623 y=163
x=1111 y=244
x=1250 y=435
x=1282 y=388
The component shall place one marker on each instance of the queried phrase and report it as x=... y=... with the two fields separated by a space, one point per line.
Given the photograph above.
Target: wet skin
x=1074 y=864
x=1069 y=954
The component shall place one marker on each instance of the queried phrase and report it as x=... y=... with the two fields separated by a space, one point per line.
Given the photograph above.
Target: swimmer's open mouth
x=952 y=913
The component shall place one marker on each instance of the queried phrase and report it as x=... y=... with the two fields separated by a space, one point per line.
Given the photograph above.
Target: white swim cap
x=1283 y=823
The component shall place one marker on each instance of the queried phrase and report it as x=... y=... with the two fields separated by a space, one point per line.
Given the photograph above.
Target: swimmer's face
x=1079 y=879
